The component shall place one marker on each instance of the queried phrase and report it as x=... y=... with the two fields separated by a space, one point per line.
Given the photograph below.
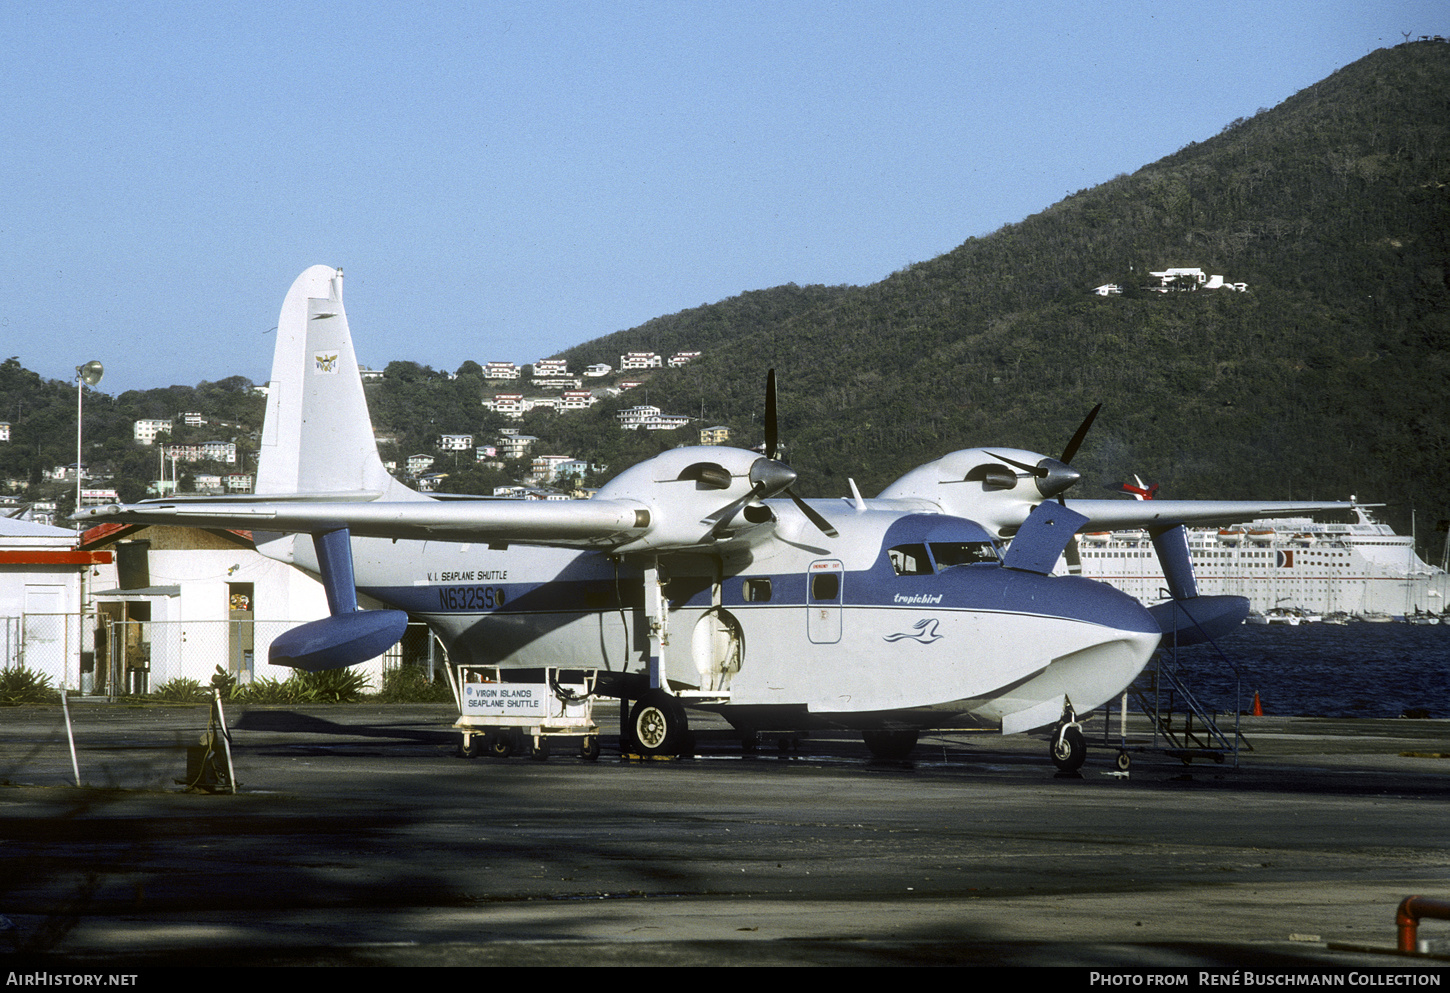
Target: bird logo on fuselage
x=924 y=632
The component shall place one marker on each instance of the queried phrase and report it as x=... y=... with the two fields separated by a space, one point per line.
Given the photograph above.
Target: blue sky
x=505 y=180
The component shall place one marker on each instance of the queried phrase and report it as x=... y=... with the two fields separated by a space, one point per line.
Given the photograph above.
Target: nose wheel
x=1067 y=747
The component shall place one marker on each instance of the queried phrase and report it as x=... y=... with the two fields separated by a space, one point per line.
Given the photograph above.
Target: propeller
x=1055 y=476
x=772 y=437
x=769 y=476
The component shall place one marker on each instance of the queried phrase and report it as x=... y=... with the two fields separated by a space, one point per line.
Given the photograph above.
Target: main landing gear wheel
x=657 y=724
x=1068 y=748
x=890 y=745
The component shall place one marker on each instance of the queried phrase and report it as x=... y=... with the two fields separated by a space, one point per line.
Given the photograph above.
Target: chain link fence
x=97 y=655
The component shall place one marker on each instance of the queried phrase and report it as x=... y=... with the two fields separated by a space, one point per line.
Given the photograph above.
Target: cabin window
x=757 y=590
x=910 y=560
x=825 y=585
x=950 y=553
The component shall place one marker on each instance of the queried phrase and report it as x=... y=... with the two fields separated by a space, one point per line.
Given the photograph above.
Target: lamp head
x=91 y=372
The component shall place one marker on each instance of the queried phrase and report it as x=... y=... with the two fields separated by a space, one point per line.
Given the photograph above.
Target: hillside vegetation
x=1327 y=377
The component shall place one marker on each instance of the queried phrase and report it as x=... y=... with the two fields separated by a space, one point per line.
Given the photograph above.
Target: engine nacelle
x=981 y=486
x=692 y=493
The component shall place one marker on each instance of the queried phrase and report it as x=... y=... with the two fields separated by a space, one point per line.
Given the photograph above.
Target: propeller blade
x=1031 y=470
x=1076 y=442
x=722 y=517
x=771 y=437
x=822 y=525
x=767 y=478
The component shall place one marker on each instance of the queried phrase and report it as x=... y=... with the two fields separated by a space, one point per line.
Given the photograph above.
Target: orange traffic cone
x=1258 y=707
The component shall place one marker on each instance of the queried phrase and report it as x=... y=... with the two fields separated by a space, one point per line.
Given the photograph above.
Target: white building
x=650 y=418
x=210 y=451
x=680 y=358
x=640 y=360
x=41 y=572
x=545 y=467
x=509 y=405
x=146 y=431
x=1192 y=279
x=501 y=370
x=175 y=603
x=516 y=446
x=598 y=370
x=455 y=442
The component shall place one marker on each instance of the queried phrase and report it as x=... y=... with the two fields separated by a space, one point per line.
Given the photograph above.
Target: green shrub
x=330 y=686
x=19 y=684
x=264 y=690
x=182 y=691
x=410 y=684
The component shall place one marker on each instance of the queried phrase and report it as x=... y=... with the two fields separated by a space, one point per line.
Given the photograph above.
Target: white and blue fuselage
x=912 y=614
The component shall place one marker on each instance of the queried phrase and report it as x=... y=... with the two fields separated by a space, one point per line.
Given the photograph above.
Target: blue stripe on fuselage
x=983 y=587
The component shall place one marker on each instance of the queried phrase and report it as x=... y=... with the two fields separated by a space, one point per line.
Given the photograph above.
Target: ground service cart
x=525 y=712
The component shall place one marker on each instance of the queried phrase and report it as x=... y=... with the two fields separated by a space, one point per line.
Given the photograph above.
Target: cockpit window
x=950 y=553
x=910 y=560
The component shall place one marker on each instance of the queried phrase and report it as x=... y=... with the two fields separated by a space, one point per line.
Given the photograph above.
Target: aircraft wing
x=571 y=523
x=1115 y=515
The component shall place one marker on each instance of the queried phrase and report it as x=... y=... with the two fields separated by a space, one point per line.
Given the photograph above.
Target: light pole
x=86 y=375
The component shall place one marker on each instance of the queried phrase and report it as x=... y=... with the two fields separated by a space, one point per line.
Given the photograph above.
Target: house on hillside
x=650 y=418
x=145 y=431
x=1189 y=279
x=501 y=370
x=640 y=360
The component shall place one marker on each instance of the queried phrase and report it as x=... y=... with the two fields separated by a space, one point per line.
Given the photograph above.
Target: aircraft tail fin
x=317 y=437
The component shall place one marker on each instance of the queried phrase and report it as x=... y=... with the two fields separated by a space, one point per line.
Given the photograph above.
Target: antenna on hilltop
x=1407 y=36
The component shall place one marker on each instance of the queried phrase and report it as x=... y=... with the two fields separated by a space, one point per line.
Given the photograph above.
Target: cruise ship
x=1286 y=567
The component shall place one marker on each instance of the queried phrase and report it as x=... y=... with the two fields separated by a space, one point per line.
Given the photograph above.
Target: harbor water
x=1324 y=670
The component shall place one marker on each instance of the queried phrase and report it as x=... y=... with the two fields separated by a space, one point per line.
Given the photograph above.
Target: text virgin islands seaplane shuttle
x=697 y=578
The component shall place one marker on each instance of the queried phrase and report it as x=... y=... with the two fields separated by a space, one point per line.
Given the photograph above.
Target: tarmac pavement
x=359 y=837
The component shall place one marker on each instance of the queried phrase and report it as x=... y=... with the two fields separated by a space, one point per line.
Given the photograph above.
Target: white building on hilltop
x=650 y=418
x=1192 y=279
x=145 y=431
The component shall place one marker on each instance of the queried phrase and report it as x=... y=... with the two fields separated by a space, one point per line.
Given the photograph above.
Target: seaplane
x=700 y=579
